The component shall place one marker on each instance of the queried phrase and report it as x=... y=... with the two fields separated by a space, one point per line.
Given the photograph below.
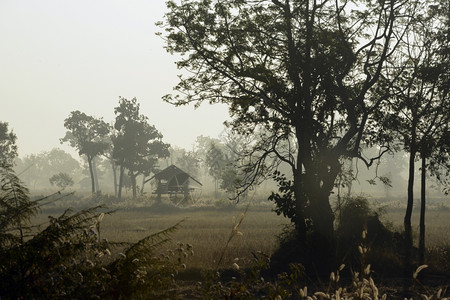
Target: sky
x=58 y=56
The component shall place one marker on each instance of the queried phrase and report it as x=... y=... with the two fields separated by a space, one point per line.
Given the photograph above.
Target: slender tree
x=88 y=135
x=419 y=108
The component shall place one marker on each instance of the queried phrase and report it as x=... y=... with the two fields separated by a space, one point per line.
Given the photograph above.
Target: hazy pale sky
x=58 y=56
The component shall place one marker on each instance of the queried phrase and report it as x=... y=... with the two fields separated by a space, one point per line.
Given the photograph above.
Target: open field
x=437 y=225
x=208 y=230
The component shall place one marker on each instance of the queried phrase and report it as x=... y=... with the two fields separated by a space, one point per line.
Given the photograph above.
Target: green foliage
x=284 y=200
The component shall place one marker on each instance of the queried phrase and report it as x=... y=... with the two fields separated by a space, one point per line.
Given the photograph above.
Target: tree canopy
x=137 y=144
x=310 y=73
x=88 y=135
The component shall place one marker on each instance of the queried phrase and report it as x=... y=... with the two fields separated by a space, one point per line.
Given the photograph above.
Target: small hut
x=173 y=181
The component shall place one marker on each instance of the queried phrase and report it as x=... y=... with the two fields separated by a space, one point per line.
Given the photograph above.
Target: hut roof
x=171 y=172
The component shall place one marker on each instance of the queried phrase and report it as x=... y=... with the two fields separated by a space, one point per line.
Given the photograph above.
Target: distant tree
x=110 y=158
x=189 y=162
x=201 y=147
x=61 y=180
x=88 y=135
x=8 y=147
x=216 y=161
x=32 y=167
x=137 y=145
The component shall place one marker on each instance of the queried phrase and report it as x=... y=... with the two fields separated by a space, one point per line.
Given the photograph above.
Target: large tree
x=307 y=72
x=88 y=135
x=8 y=147
x=137 y=145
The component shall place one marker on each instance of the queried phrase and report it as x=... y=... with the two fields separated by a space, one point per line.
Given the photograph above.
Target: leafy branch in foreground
x=141 y=271
x=69 y=259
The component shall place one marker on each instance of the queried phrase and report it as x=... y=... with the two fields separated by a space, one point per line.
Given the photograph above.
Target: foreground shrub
x=251 y=284
x=386 y=247
x=68 y=259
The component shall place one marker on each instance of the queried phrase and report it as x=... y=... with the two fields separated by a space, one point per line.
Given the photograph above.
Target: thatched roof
x=173 y=171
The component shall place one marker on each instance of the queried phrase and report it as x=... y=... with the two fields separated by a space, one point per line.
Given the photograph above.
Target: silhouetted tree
x=137 y=145
x=88 y=135
x=308 y=72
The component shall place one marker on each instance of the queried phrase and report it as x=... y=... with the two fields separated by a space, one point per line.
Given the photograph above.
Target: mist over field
x=223 y=149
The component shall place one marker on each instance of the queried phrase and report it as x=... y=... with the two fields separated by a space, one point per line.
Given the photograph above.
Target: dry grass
x=206 y=229
x=209 y=229
x=437 y=225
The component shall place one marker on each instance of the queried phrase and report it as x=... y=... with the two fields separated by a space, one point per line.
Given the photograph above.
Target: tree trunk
x=407 y=220
x=94 y=169
x=91 y=172
x=143 y=183
x=159 y=191
x=133 y=184
x=114 y=169
x=300 y=222
x=422 y=214
x=119 y=194
x=323 y=231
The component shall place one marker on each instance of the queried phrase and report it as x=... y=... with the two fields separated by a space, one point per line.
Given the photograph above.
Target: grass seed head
x=420 y=268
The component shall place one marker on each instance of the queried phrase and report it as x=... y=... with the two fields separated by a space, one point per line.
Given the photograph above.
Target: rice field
x=208 y=230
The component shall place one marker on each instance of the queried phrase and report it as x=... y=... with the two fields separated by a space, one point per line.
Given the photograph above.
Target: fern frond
x=147 y=245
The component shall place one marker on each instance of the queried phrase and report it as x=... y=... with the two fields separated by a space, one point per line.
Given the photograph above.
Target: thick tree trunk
x=300 y=222
x=422 y=213
x=323 y=231
x=91 y=172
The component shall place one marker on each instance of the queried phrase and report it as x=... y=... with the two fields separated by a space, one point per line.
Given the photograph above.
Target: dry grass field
x=208 y=230
x=437 y=225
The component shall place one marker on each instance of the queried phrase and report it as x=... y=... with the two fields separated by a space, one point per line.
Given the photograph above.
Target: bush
x=357 y=216
x=68 y=259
